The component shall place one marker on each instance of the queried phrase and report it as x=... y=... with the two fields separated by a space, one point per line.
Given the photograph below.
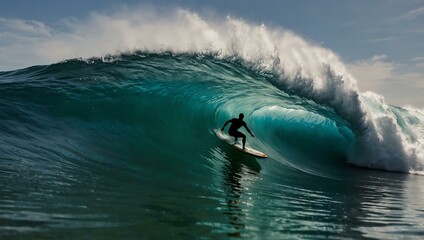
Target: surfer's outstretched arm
x=222 y=129
x=245 y=126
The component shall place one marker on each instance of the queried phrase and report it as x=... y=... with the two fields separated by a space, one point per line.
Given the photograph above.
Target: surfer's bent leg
x=244 y=139
x=238 y=134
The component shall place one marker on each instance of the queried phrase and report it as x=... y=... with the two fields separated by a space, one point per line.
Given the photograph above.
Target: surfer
x=237 y=123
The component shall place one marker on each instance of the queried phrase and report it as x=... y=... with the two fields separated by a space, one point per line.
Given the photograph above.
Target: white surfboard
x=239 y=146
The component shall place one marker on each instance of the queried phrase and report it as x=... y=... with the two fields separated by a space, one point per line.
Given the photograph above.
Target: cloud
x=378 y=40
x=417 y=59
x=19 y=40
x=415 y=30
x=400 y=84
x=371 y=72
x=412 y=14
x=29 y=27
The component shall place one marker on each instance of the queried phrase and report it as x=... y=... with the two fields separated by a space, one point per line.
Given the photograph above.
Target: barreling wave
x=181 y=76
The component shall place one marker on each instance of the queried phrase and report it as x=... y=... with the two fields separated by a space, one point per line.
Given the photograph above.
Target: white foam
x=393 y=140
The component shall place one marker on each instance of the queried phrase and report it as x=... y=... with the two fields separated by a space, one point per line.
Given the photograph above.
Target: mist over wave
x=385 y=137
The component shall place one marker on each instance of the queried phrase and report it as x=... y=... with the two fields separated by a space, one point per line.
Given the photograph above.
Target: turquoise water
x=124 y=148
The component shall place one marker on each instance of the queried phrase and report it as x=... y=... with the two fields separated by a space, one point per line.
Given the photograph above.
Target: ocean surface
x=124 y=147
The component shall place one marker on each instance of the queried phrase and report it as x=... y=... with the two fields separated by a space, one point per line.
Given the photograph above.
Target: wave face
x=166 y=99
x=163 y=101
x=148 y=117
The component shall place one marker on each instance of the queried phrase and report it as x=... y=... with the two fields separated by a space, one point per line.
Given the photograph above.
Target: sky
x=380 y=41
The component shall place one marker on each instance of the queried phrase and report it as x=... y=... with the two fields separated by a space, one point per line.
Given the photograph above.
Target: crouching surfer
x=237 y=123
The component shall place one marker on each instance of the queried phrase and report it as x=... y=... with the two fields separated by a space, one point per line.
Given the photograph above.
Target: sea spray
x=393 y=140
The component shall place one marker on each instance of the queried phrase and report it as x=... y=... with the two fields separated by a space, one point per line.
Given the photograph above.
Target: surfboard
x=239 y=146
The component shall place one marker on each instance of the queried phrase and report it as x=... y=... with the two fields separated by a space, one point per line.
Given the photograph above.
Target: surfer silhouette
x=237 y=123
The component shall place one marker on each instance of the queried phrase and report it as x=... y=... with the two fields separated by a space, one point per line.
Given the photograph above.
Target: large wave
x=378 y=136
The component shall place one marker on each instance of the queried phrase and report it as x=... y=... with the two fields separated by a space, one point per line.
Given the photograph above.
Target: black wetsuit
x=235 y=125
